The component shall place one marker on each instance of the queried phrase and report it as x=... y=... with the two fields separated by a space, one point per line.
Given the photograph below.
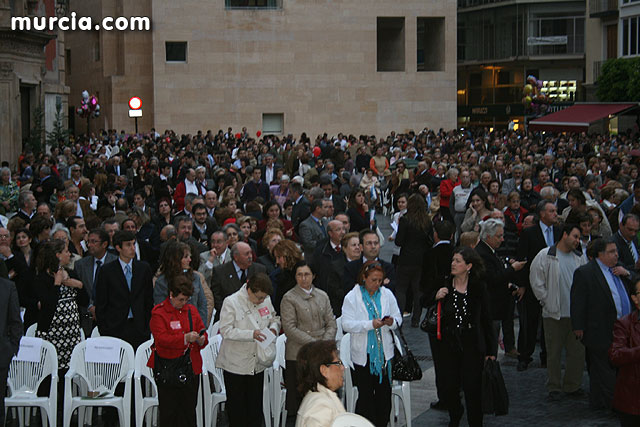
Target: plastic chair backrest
x=345 y=351
x=350 y=420
x=141 y=369
x=103 y=377
x=209 y=355
x=25 y=377
x=95 y=333
x=214 y=328
x=339 y=331
x=31 y=330
x=281 y=343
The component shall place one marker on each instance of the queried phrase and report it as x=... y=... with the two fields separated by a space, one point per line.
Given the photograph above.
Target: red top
x=625 y=355
x=446 y=188
x=168 y=326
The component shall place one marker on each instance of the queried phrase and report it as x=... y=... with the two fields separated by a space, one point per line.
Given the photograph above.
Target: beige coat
x=319 y=408
x=306 y=318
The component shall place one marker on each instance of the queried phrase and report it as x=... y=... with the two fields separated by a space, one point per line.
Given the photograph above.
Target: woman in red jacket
x=446 y=189
x=625 y=355
x=173 y=334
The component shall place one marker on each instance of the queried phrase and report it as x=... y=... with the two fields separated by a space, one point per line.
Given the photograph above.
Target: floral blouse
x=9 y=193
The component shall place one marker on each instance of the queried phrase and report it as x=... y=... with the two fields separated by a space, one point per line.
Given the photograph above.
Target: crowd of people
x=279 y=235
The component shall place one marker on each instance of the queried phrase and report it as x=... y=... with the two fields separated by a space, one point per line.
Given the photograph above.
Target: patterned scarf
x=375 y=350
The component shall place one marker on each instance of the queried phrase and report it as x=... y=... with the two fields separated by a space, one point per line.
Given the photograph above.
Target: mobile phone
x=202 y=332
x=385 y=318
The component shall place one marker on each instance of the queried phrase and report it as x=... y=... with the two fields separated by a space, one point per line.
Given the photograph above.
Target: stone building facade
x=282 y=66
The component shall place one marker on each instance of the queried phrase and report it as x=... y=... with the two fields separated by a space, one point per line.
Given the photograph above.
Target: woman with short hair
x=176 y=325
x=320 y=375
x=243 y=317
x=369 y=313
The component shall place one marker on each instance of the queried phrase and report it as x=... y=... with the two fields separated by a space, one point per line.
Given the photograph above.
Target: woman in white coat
x=369 y=313
x=320 y=375
x=243 y=318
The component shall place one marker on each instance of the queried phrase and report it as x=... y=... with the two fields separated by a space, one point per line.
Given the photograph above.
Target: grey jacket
x=306 y=318
x=310 y=234
x=198 y=299
x=10 y=323
x=84 y=270
x=206 y=267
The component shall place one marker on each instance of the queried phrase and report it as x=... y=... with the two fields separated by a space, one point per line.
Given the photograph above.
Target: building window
x=253 y=4
x=273 y=123
x=176 y=51
x=556 y=35
x=631 y=36
x=430 y=34
x=390 y=44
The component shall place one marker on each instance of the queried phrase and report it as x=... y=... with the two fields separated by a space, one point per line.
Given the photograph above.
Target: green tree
x=35 y=138
x=59 y=135
x=619 y=80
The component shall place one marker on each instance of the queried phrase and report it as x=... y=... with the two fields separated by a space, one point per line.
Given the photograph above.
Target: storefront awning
x=577 y=118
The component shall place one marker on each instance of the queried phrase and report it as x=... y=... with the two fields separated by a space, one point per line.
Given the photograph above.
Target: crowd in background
x=221 y=208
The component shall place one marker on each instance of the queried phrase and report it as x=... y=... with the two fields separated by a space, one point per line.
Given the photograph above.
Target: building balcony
x=603 y=8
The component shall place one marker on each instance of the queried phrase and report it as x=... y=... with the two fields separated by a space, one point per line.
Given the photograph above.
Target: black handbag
x=431 y=322
x=405 y=366
x=495 y=399
x=175 y=373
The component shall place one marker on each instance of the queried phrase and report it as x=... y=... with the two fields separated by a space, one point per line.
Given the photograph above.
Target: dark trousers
x=408 y=276
x=628 y=420
x=4 y=373
x=177 y=406
x=374 y=398
x=291 y=382
x=462 y=365
x=602 y=378
x=508 y=336
x=436 y=354
x=530 y=318
x=244 y=399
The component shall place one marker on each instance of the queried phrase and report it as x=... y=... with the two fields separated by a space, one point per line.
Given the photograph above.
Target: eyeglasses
x=337 y=363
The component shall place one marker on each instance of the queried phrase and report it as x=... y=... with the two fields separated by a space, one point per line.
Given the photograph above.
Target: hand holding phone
x=202 y=332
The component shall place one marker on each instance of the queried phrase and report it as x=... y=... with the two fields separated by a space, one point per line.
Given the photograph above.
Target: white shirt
x=190 y=187
x=544 y=228
x=268 y=174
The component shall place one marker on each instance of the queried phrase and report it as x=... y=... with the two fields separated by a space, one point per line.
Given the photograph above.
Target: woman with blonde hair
x=287 y=255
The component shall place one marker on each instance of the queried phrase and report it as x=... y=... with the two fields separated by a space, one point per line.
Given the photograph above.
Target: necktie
x=625 y=307
x=633 y=253
x=128 y=275
x=243 y=277
x=338 y=249
x=95 y=276
x=549 y=236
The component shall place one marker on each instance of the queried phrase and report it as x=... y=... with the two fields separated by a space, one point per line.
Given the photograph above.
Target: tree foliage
x=619 y=80
x=35 y=138
x=59 y=135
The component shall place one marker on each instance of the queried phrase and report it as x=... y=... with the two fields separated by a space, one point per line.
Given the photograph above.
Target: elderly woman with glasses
x=306 y=316
x=369 y=313
x=321 y=374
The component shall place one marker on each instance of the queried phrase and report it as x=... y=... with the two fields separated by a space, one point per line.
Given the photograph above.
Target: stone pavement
x=527 y=390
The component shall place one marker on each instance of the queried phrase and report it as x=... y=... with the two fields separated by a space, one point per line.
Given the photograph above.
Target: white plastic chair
x=213 y=398
x=25 y=378
x=95 y=333
x=214 y=329
x=101 y=378
x=339 y=331
x=31 y=330
x=142 y=371
x=279 y=393
x=351 y=420
x=350 y=392
x=400 y=392
x=267 y=387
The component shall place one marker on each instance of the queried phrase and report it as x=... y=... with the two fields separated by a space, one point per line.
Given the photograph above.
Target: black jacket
x=414 y=243
x=48 y=295
x=10 y=323
x=497 y=276
x=625 y=257
x=321 y=262
x=357 y=221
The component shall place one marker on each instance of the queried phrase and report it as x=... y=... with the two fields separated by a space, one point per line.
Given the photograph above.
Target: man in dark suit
x=26 y=206
x=627 y=242
x=227 y=278
x=350 y=251
x=10 y=334
x=338 y=203
x=45 y=186
x=498 y=273
x=313 y=229
x=255 y=188
x=143 y=249
x=124 y=294
x=116 y=167
x=87 y=270
x=326 y=253
x=598 y=298
x=301 y=205
x=543 y=234
x=370 y=246
x=269 y=169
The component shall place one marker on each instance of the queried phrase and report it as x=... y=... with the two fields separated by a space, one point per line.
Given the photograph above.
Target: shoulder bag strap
x=190 y=320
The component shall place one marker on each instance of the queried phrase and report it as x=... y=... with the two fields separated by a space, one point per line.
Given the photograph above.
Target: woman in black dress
x=358 y=211
x=467 y=339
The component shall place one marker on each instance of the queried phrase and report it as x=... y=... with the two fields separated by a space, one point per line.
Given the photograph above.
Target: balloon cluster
x=534 y=100
x=89 y=106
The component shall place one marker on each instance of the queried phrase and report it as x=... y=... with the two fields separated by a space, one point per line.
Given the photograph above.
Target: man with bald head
x=327 y=251
x=227 y=278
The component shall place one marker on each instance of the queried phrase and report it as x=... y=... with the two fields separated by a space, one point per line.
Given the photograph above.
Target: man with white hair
x=552 y=194
x=499 y=273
